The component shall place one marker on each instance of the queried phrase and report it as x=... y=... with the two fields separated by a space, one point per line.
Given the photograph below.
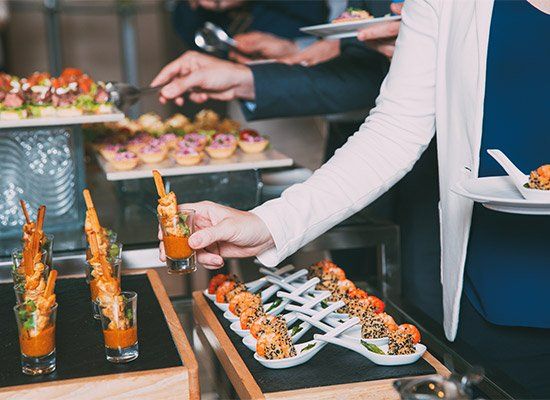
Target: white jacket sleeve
x=384 y=149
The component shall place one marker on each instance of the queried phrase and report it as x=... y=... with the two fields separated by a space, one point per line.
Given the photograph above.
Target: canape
x=153 y=152
x=187 y=156
x=125 y=161
x=251 y=142
x=352 y=14
x=222 y=146
x=109 y=151
x=197 y=140
x=540 y=178
x=170 y=140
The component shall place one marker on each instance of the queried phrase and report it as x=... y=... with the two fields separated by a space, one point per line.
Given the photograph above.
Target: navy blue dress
x=507 y=275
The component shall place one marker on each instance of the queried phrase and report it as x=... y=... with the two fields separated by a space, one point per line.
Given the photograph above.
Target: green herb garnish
x=114 y=250
x=275 y=304
x=129 y=315
x=324 y=304
x=182 y=223
x=26 y=314
x=526 y=186
x=308 y=347
x=295 y=329
x=372 y=347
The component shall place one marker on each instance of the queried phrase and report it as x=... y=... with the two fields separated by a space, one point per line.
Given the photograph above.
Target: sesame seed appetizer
x=540 y=178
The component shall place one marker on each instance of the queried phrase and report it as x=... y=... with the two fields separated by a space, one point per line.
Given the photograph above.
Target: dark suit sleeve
x=349 y=82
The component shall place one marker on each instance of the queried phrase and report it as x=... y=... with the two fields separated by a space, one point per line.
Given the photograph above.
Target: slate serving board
x=331 y=366
x=80 y=351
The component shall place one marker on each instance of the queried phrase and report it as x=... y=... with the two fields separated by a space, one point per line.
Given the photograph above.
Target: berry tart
x=186 y=155
x=223 y=146
x=153 y=152
x=251 y=142
x=124 y=160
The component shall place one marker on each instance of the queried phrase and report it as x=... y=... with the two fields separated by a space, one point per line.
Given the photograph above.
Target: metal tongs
x=124 y=95
x=213 y=39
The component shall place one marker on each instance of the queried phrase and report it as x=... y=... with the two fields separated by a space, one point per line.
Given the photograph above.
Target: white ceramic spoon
x=250 y=341
x=256 y=285
x=519 y=178
x=301 y=329
x=352 y=334
x=305 y=351
x=270 y=291
x=380 y=359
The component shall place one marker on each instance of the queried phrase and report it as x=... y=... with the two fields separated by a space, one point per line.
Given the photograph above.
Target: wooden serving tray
x=165 y=369
x=312 y=380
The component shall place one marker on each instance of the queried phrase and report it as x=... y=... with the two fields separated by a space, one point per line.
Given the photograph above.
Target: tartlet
x=125 y=160
x=197 y=140
x=187 y=156
x=139 y=141
x=170 y=140
x=223 y=146
x=109 y=151
x=251 y=142
x=153 y=152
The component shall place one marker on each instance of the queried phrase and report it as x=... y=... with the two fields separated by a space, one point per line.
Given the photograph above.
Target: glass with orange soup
x=119 y=323
x=176 y=229
x=36 y=323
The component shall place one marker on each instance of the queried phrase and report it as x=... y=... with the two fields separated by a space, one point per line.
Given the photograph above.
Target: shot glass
x=36 y=338
x=180 y=258
x=119 y=324
x=115 y=263
x=17 y=270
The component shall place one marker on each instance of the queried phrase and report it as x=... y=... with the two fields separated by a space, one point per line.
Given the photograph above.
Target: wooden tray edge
x=178 y=334
x=234 y=366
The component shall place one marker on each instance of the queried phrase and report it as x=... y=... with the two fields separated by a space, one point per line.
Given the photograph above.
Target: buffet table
x=165 y=369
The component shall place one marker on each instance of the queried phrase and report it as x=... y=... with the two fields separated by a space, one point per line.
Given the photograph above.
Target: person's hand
x=216 y=5
x=224 y=232
x=261 y=45
x=204 y=77
x=381 y=37
x=317 y=53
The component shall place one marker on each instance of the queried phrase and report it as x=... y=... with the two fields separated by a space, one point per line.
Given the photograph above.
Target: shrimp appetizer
x=91 y=224
x=540 y=178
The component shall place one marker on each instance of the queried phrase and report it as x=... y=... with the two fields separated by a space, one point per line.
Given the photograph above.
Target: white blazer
x=436 y=83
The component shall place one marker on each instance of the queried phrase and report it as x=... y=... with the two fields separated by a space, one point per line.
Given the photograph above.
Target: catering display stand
x=335 y=374
x=42 y=161
x=165 y=369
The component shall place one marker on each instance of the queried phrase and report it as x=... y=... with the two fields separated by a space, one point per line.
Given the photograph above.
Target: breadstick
x=158 y=183
x=40 y=218
x=50 y=285
x=88 y=199
x=96 y=226
x=24 y=208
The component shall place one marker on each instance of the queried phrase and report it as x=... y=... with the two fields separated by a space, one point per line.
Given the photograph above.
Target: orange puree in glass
x=177 y=247
x=39 y=345
x=120 y=338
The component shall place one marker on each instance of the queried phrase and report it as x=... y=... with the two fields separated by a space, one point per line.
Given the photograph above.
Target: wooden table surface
x=180 y=382
x=247 y=387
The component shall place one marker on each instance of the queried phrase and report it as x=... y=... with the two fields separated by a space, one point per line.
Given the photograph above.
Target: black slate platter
x=79 y=348
x=333 y=365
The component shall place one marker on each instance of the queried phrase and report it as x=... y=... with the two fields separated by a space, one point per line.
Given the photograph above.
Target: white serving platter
x=499 y=193
x=239 y=161
x=57 y=121
x=343 y=30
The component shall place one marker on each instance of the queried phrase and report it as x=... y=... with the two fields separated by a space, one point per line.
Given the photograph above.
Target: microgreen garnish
x=295 y=329
x=182 y=223
x=324 y=304
x=308 y=347
x=372 y=347
x=275 y=304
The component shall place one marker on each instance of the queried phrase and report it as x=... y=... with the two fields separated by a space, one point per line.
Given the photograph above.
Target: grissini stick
x=25 y=211
x=50 y=285
x=91 y=209
x=159 y=183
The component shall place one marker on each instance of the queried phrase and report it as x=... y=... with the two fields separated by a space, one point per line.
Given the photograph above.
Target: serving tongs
x=123 y=95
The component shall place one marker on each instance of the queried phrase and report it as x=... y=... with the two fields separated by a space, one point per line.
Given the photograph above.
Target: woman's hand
x=224 y=232
x=262 y=45
x=318 y=52
x=381 y=37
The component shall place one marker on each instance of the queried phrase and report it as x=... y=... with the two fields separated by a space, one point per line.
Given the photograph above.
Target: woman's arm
x=384 y=149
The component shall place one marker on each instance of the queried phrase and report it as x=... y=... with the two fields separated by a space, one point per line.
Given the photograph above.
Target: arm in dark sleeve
x=349 y=82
